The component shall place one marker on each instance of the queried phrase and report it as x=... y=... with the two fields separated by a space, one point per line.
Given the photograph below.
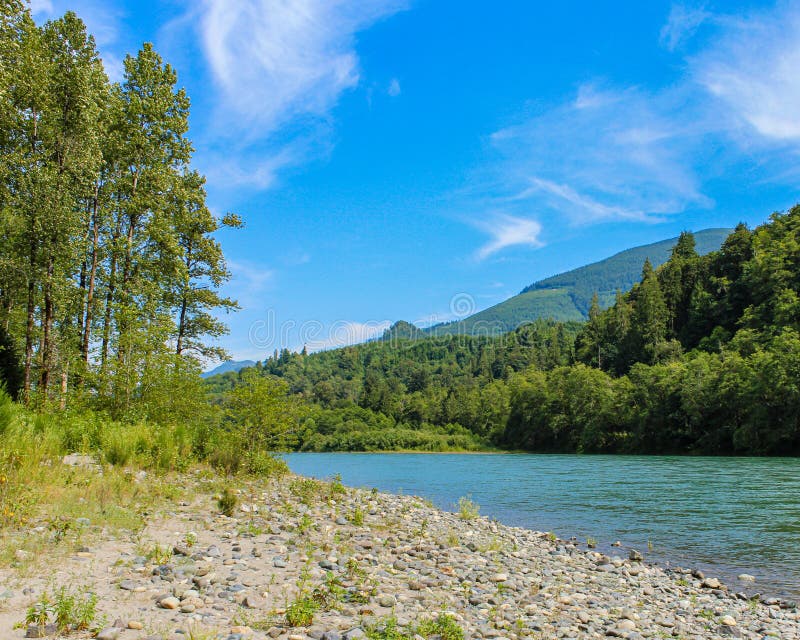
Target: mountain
x=567 y=296
x=230 y=365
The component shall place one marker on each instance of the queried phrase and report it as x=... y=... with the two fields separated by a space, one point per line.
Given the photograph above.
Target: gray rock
x=109 y=633
x=37 y=631
x=387 y=601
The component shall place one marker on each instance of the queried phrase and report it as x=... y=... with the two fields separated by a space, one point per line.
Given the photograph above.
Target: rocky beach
x=298 y=558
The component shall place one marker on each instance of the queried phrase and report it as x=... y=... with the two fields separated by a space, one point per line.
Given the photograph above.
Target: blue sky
x=418 y=160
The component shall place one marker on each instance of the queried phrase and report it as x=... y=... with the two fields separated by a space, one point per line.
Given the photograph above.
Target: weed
x=70 y=610
x=300 y=613
x=159 y=555
x=306 y=489
x=443 y=626
x=467 y=509
x=357 y=517
x=336 y=486
x=591 y=543
x=305 y=524
x=386 y=629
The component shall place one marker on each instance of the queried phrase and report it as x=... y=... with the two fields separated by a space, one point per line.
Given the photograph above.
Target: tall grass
x=35 y=485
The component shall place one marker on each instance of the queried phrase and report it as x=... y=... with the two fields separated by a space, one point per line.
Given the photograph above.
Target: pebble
x=170 y=602
x=497 y=582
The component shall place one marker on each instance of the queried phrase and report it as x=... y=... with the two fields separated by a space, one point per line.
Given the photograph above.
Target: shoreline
x=374 y=559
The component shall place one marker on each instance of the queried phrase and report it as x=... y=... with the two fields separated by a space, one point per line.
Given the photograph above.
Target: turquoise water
x=726 y=516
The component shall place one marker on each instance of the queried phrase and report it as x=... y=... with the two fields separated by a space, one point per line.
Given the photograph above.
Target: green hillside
x=567 y=296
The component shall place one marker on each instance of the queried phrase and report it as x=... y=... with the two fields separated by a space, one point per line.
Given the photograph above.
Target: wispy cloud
x=41 y=6
x=280 y=67
x=612 y=153
x=509 y=231
x=249 y=283
x=607 y=154
x=394 y=89
x=682 y=23
x=752 y=68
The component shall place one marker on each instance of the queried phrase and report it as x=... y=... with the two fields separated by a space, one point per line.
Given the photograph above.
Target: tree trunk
x=47 y=325
x=112 y=275
x=31 y=309
x=87 y=326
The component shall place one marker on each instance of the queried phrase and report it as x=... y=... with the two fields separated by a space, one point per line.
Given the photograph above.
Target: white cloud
x=607 y=154
x=345 y=333
x=280 y=66
x=752 y=68
x=681 y=25
x=276 y=61
x=643 y=155
x=394 y=88
x=509 y=231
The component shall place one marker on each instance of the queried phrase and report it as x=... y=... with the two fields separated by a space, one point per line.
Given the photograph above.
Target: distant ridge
x=230 y=365
x=567 y=296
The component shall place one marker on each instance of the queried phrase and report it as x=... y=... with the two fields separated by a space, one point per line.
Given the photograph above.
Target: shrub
x=266 y=465
x=70 y=610
x=7 y=412
x=443 y=626
x=467 y=509
x=227 y=502
x=300 y=613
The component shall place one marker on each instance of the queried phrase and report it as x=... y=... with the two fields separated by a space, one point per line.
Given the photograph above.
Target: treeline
x=701 y=356
x=408 y=391
x=109 y=271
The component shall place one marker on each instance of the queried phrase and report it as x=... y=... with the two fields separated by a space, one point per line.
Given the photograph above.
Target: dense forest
x=701 y=356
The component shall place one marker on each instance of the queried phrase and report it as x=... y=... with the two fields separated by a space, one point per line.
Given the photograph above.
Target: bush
x=227 y=502
x=300 y=613
x=443 y=627
x=7 y=412
x=467 y=509
x=266 y=465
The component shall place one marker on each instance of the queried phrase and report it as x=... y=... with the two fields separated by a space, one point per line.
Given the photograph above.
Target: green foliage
x=109 y=268
x=301 y=611
x=467 y=509
x=357 y=516
x=442 y=626
x=70 y=610
x=227 y=501
x=386 y=629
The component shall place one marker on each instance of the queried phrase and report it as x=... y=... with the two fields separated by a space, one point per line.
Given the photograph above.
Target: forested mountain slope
x=567 y=296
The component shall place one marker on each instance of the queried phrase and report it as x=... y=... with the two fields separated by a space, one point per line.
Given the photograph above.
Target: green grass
x=467 y=509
